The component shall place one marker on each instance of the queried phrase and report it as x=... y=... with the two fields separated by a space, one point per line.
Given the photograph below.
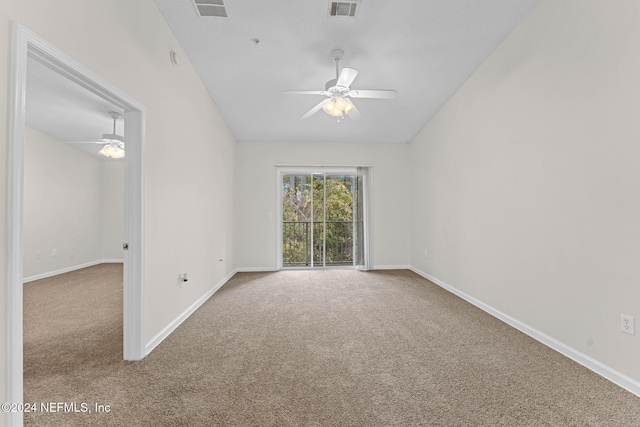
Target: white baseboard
x=185 y=315
x=270 y=269
x=391 y=267
x=599 y=368
x=68 y=269
x=256 y=269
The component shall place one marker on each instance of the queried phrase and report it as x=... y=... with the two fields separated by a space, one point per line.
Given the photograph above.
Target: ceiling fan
x=113 y=143
x=338 y=93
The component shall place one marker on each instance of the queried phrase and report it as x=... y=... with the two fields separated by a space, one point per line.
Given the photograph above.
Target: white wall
x=112 y=209
x=189 y=149
x=256 y=195
x=526 y=184
x=62 y=206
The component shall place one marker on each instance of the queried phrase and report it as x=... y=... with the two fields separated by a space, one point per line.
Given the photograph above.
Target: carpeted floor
x=301 y=348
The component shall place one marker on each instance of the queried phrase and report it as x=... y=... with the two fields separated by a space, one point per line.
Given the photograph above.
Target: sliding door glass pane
x=296 y=220
x=339 y=223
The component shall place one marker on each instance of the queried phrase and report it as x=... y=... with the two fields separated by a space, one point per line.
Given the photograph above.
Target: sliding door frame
x=365 y=172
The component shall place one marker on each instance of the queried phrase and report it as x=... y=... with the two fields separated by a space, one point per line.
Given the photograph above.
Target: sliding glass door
x=322 y=219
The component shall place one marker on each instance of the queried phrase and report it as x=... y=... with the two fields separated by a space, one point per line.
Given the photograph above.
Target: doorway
x=322 y=218
x=26 y=45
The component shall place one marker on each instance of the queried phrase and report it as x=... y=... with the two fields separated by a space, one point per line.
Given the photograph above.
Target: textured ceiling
x=424 y=49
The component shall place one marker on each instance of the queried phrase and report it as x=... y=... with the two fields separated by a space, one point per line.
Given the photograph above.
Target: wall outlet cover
x=627 y=324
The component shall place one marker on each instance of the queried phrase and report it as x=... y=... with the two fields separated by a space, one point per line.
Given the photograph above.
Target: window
x=322 y=216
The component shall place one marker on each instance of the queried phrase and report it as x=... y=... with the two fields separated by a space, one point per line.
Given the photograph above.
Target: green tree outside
x=301 y=211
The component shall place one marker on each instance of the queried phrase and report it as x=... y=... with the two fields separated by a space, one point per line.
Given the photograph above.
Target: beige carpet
x=300 y=348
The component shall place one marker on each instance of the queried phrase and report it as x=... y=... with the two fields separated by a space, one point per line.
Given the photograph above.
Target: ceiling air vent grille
x=342 y=8
x=211 y=8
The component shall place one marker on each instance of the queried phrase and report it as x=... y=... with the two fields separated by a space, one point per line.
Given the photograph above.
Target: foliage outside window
x=304 y=212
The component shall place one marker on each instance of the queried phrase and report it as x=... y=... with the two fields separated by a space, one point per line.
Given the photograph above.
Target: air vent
x=340 y=8
x=211 y=8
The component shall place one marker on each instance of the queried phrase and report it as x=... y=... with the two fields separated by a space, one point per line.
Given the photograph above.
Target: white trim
x=27 y=44
x=134 y=257
x=391 y=267
x=68 y=269
x=256 y=269
x=155 y=341
x=317 y=170
x=367 y=217
x=340 y=167
x=279 y=176
x=15 y=174
x=598 y=367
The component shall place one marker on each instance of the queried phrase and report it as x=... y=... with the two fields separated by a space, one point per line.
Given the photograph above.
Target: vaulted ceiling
x=424 y=49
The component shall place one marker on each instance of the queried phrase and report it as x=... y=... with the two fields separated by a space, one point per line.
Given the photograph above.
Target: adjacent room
x=73 y=231
x=320 y=213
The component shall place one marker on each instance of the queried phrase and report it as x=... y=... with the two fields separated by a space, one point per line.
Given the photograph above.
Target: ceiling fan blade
x=374 y=93
x=347 y=76
x=306 y=92
x=354 y=114
x=84 y=141
x=315 y=109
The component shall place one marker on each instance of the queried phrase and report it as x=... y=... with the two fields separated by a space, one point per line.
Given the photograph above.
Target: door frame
x=365 y=171
x=25 y=44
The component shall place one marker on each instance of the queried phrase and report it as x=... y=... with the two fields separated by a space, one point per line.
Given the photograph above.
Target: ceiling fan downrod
x=115 y=116
x=336 y=55
x=113 y=137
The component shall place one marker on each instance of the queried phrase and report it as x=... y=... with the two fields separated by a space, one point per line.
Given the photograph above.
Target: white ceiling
x=424 y=49
x=65 y=110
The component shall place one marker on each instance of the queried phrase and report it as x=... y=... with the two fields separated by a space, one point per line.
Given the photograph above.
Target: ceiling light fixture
x=338 y=107
x=114 y=149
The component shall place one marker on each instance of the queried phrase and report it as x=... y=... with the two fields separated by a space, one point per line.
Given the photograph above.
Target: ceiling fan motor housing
x=334 y=90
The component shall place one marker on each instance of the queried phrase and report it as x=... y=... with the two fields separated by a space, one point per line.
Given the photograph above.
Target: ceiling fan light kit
x=114 y=149
x=338 y=107
x=338 y=92
x=113 y=143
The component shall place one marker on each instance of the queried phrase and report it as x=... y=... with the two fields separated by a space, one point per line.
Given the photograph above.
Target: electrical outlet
x=54 y=252
x=183 y=279
x=626 y=324
x=38 y=255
